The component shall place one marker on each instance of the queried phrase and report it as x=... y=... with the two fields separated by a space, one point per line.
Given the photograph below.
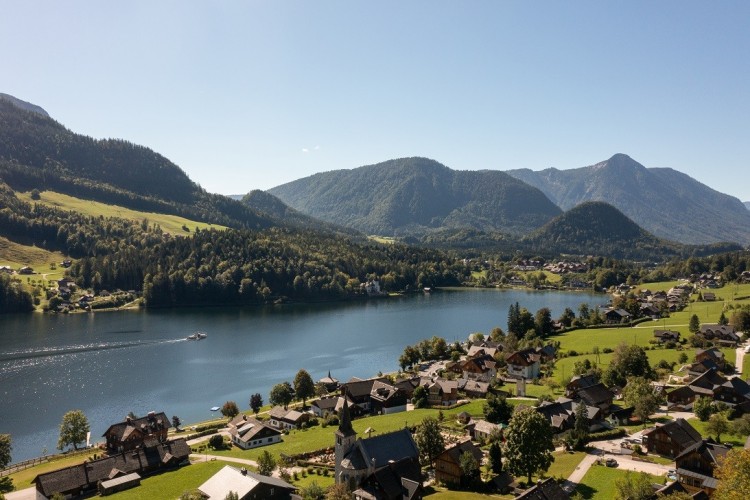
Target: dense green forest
x=37 y=152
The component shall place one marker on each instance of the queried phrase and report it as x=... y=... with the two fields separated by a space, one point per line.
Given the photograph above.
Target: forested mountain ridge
x=747 y=204
x=36 y=152
x=599 y=228
x=23 y=104
x=667 y=203
x=417 y=196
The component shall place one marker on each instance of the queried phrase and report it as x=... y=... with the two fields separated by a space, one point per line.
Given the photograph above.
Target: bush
x=216 y=442
x=607 y=350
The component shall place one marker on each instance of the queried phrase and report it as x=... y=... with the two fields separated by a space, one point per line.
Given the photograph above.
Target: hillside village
x=471 y=393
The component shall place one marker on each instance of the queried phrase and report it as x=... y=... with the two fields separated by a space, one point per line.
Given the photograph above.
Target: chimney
x=243 y=471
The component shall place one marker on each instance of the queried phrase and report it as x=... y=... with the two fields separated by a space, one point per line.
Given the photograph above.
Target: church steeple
x=345 y=422
x=346 y=437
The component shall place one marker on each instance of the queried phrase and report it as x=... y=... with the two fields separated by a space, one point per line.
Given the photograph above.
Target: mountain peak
x=26 y=106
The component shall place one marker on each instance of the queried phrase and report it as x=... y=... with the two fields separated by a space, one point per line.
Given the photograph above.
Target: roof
x=707 y=481
x=595 y=395
x=679 y=431
x=381 y=449
x=148 y=424
x=526 y=357
x=254 y=429
x=583 y=381
x=86 y=475
x=710 y=451
x=546 y=490
x=400 y=479
x=240 y=481
x=358 y=388
x=454 y=453
x=485 y=427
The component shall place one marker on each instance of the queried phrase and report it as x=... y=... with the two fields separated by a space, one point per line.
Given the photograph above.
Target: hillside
x=598 y=228
x=416 y=196
x=37 y=152
x=667 y=203
x=272 y=207
x=27 y=106
x=747 y=204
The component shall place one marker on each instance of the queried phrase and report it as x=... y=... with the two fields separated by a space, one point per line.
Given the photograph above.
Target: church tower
x=345 y=438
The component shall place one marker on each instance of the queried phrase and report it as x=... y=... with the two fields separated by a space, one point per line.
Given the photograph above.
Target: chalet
x=359 y=391
x=474 y=388
x=401 y=480
x=331 y=384
x=328 y=405
x=721 y=334
x=648 y=309
x=579 y=382
x=698 y=368
x=481 y=430
x=6 y=269
x=134 y=432
x=672 y=438
x=66 y=283
x=253 y=434
x=714 y=355
x=615 y=316
x=596 y=395
x=356 y=458
x=442 y=392
x=26 y=270
x=482 y=368
x=545 y=490
x=666 y=336
x=696 y=464
x=83 y=479
x=448 y=463
x=482 y=350
x=246 y=484
x=708 y=296
x=408 y=384
x=282 y=419
x=561 y=414
x=386 y=399
x=523 y=364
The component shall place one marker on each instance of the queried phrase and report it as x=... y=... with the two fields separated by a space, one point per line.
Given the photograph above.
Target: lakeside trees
x=230 y=409
x=281 y=394
x=303 y=386
x=256 y=402
x=73 y=429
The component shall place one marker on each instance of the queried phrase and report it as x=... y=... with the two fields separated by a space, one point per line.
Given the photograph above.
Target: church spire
x=345 y=422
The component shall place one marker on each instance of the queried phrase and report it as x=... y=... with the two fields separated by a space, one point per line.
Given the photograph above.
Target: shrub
x=216 y=442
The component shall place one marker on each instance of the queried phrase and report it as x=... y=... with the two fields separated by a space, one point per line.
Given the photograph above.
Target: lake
x=110 y=363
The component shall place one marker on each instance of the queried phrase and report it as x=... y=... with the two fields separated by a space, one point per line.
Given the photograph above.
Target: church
x=385 y=466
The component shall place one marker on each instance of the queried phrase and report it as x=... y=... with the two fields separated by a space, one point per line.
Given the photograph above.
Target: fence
x=17 y=467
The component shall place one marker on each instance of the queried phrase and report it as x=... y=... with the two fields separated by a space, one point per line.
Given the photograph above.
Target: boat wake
x=25 y=354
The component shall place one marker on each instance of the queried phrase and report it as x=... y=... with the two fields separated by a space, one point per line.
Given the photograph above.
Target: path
x=200 y=457
x=739 y=358
x=24 y=494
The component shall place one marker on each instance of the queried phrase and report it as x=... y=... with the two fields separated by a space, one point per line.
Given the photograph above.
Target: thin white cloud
x=305 y=150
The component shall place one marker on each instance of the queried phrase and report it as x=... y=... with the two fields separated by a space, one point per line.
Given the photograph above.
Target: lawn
x=735 y=441
x=565 y=463
x=16 y=256
x=319 y=437
x=169 y=223
x=25 y=478
x=599 y=482
x=172 y=484
x=440 y=493
x=305 y=482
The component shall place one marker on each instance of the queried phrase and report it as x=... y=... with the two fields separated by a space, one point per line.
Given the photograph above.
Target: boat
x=197 y=336
x=201 y=335
x=191 y=337
x=214 y=408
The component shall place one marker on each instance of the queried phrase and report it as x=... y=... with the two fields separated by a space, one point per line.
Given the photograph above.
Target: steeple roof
x=345 y=422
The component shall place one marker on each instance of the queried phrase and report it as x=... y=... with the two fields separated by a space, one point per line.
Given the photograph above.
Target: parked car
x=611 y=462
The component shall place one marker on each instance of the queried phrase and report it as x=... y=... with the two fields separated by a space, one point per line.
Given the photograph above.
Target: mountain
x=747 y=204
x=665 y=202
x=417 y=196
x=27 y=106
x=36 y=152
x=269 y=205
x=598 y=228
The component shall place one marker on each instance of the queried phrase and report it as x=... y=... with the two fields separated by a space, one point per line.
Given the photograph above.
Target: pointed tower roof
x=345 y=421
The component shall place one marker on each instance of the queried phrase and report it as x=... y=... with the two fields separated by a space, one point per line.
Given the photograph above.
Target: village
x=448 y=420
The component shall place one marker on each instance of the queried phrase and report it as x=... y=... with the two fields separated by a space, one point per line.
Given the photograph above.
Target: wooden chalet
x=523 y=364
x=386 y=399
x=696 y=466
x=442 y=392
x=672 y=438
x=721 y=334
x=133 y=432
x=666 y=336
x=448 y=463
x=281 y=418
x=399 y=480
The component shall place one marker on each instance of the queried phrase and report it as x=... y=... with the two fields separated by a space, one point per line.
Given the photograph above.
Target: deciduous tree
x=266 y=463
x=528 y=445
x=281 y=394
x=734 y=475
x=642 y=396
x=634 y=486
x=230 y=409
x=304 y=387
x=717 y=425
x=256 y=402
x=497 y=409
x=429 y=439
x=73 y=429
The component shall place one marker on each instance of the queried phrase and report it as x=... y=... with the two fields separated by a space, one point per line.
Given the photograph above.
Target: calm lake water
x=110 y=363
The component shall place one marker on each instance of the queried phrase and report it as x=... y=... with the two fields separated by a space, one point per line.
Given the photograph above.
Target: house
x=401 y=480
x=481 y=430
x=133 y=432
x=474 y=388
x=327 y=405
x=579 y=382
x=356 y=459
x=6 y=269
x=448 y=463
x=714 y=355
x=523 y=364
x=721 y=334
x=83 y=479
x=482 y=368
x=359 y=391
x=331 y=384
x=442 y=392
x=709 y=296
x=386 y=399
x=734 y=391
x=696 y=464
x=482 y=350
x=561 y=414
x=282 y=419
x=544 y=490
x=26 y=270
x=698 y=368
x=246 y=484
x=666 y=336
x=371 y=288
x=253 y=434
x=672 y=438
x=596 y=395
x=615 y=316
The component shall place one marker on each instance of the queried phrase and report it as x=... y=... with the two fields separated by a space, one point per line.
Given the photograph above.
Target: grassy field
x=24 y=478
x=169 y=223
x=16 y=256
x=735 y=441
x=440 y=493
x=172 y=484
x=565 y=463
x=599 y=482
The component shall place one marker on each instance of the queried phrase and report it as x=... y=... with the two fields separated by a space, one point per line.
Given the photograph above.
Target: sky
x=247 y=95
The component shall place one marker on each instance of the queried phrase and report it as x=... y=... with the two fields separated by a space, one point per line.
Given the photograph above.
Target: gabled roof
x=357 y=388
x=146 y=425
x=382 y=449
x=680 y=432
x=583 y=381
x=240 y=481
x=595 y=395
x=453 y=454
x=400 y=479
x=526 y=357
x=710 y=451
x=546 y=490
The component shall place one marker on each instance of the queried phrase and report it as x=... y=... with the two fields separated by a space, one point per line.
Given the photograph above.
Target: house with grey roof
x=253 y=434
x=131 y=434
x=672 y=438
x=400 y=480
x=696 y=465
x=282 y=418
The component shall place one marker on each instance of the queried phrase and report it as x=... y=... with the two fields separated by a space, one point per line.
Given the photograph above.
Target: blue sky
x=249 y=95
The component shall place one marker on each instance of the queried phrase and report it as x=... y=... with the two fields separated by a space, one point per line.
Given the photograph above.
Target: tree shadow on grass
x=586 y=491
